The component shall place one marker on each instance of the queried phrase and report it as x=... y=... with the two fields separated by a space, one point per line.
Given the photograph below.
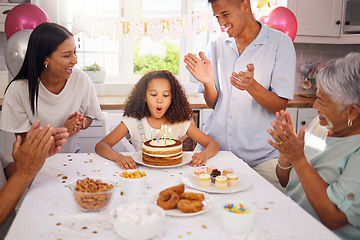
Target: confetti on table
x=84 y=227
x=90 y=161
x=180 y=236
x=57 y=224
x=94 y=231
x=70 y=160
x=60 y=174
x=204 y=226
x=188 y=233
x=65 y=165
x=64 y=177
x=85 y=161
x=51 y=214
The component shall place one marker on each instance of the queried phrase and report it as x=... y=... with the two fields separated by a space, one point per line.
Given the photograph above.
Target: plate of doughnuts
x=243 y=183
x=137 y=156
x=179 y=202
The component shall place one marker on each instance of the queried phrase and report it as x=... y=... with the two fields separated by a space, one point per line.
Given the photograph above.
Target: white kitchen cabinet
x=92 y=135
x=204 y=115
x=317 y=18
x=305 y=116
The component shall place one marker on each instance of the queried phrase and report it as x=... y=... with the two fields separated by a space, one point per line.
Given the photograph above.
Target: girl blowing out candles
x=156 y=100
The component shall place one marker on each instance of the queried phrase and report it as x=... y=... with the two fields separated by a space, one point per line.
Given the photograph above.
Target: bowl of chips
x=132 y=183
x=92 y=195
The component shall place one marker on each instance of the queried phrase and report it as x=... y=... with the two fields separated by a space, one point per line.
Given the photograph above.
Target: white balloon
x=15 y=50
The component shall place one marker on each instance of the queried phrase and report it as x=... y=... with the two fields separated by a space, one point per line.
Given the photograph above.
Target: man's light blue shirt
x=238 y=122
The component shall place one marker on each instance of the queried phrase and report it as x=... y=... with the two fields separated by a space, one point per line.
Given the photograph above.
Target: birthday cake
x=163 y=152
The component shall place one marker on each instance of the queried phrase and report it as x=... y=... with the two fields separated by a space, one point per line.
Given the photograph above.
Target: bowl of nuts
x=132 y=183
x=92 y=195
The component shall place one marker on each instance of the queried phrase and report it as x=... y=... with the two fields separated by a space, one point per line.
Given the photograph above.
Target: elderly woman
x=48 y=87
x=321 y=168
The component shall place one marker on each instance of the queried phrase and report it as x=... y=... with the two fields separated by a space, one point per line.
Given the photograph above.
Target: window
x=124 y=60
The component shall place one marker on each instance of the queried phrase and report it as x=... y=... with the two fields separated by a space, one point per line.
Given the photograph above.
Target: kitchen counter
x=108 y=102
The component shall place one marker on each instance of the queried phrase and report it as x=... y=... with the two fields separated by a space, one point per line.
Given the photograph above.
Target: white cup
x=132 y=187
x=237 y=223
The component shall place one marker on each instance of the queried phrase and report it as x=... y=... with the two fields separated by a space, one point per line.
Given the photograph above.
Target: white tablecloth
x=49 y=212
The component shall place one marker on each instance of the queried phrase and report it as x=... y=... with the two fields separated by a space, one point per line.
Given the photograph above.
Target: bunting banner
x=137 y=28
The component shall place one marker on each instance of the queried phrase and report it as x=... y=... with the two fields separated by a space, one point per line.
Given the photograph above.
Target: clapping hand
x=289 y=145
x=30 y=156
x=202 y=69
x=243 y=80
x=74 y=123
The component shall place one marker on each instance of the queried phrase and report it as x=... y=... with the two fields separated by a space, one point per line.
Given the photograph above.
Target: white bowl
x=127 y=224
x=237 y=223
x=132 y=187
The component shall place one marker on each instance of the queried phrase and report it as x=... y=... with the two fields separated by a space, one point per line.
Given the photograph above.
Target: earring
x=349 y=123
x=45 y=65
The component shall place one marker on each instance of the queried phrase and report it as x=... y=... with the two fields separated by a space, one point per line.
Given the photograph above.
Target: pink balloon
x=282 y=19
x=24 y=16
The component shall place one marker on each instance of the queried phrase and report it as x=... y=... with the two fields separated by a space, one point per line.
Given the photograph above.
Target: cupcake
x=210 y=169
x=214 y=174
x=233 y=179
x=226 y=171
x=204 y=180
x=197 y=172
x=221 y=183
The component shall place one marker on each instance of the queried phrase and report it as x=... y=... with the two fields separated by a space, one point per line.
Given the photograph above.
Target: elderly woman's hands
x=289 y=145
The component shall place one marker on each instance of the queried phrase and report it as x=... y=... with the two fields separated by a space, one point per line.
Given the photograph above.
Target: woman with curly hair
x=156 y=100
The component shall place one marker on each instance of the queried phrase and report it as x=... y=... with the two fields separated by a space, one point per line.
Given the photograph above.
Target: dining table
x=48 y=210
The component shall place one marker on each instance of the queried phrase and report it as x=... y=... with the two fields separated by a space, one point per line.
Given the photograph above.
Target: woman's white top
x=78 y=95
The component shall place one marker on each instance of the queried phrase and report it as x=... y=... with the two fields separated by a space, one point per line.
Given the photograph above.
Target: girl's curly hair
x=136 y=106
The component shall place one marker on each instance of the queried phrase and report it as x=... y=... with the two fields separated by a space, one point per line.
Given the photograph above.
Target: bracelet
x=285 y=168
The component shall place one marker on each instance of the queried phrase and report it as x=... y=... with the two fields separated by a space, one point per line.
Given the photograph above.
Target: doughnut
x=168 y=199
x=192 y=196
x=189 y=206
x=178 y=189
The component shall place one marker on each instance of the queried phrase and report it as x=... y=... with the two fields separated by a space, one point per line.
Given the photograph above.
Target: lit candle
x=157 y=138
x=165 y=139
x=151 y=130
x=162 y=128
x=170 y=134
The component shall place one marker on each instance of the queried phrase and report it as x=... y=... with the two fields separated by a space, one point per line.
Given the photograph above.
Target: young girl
x=157 y=99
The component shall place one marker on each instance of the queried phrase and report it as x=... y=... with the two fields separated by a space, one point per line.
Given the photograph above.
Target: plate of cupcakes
x=213 y=180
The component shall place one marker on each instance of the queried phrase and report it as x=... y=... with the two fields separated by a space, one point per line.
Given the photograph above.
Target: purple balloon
x=24 y=16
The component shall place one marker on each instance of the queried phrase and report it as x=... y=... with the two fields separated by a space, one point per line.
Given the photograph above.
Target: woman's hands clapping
x=74 y=123
x=289 y=145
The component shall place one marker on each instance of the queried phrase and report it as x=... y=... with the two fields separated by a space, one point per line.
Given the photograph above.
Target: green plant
x=94 y=67
x=144 y=64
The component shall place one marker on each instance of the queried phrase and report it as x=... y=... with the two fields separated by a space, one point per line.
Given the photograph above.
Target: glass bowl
x=93 y=201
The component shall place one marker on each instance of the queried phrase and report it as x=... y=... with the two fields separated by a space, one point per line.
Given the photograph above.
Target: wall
x=2 y=50
x=304 y=53
x=316 y=53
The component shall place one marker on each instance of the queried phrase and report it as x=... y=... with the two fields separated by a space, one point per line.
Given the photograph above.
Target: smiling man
x=247 y=75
